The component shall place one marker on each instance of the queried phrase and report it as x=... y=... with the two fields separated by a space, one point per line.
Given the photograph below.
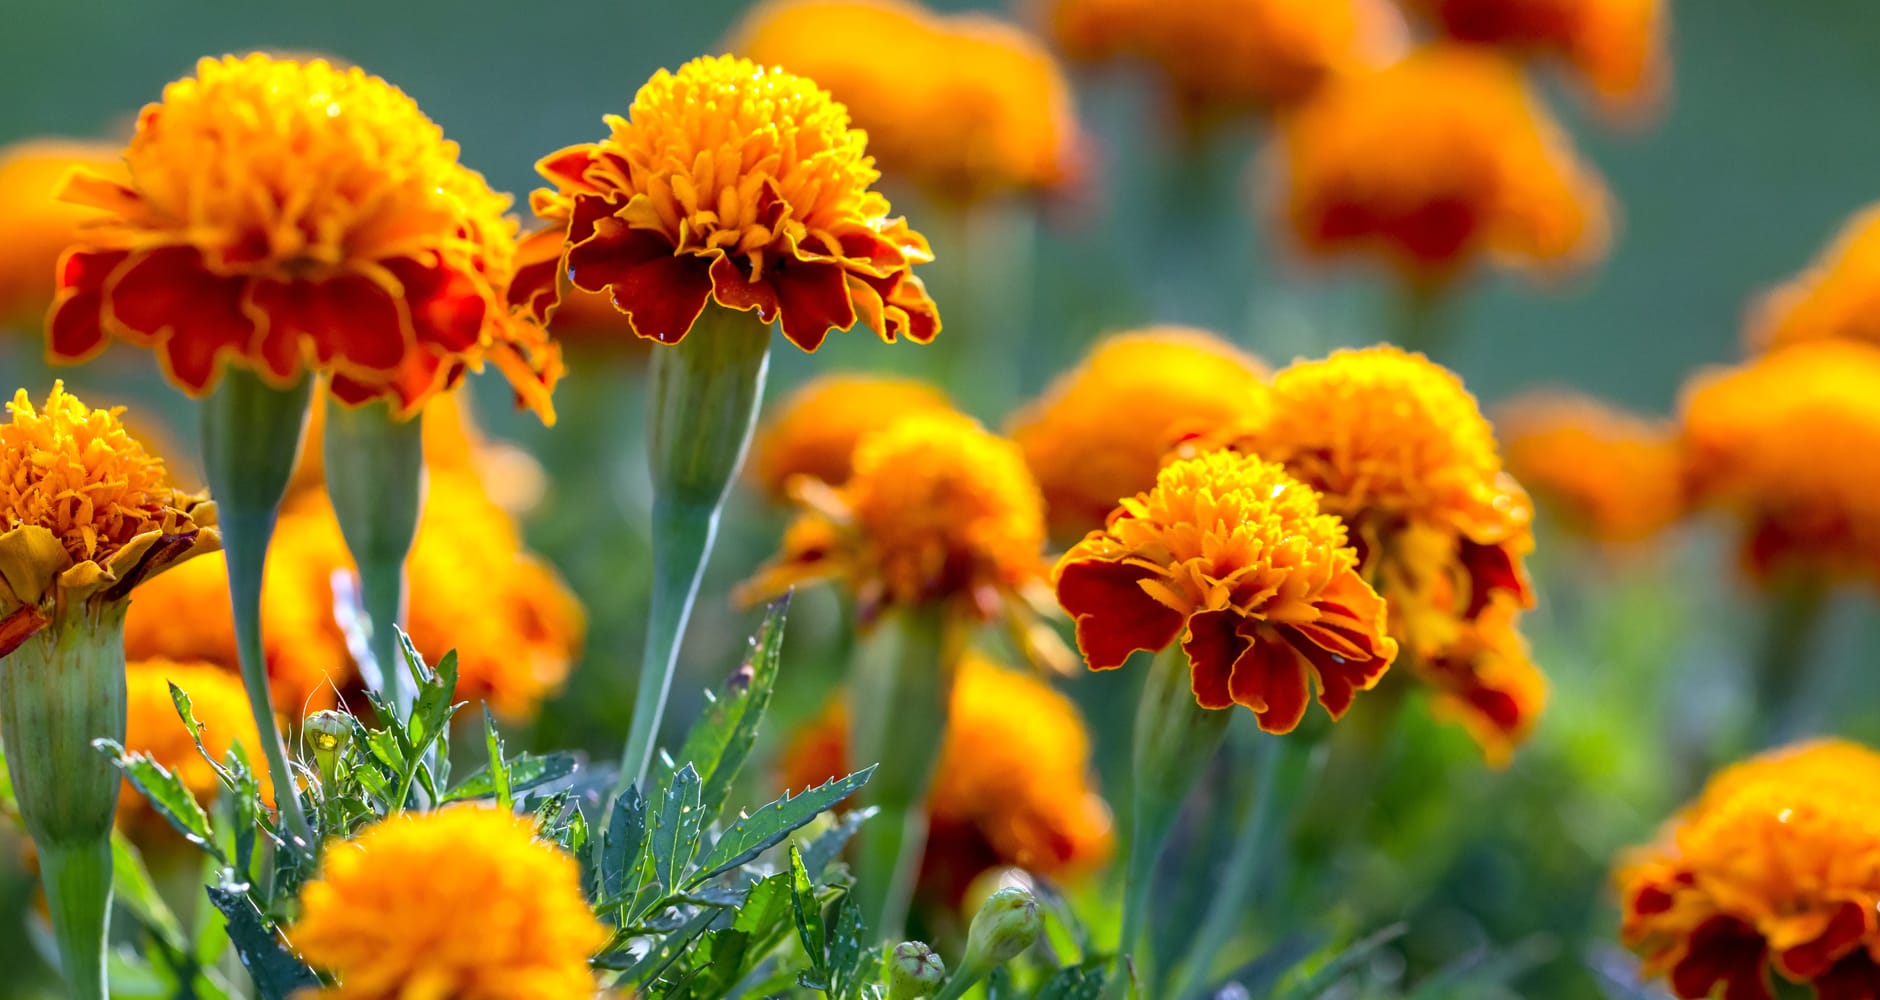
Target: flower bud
x=1008 y=923
x=914 y=971
x=327 y=734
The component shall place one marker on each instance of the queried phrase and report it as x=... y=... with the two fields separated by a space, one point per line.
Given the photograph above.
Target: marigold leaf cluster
x=153 y=728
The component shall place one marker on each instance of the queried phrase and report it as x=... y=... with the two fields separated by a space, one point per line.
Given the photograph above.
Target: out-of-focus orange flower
x=1225 y=56
x=734 y=184
x=815 y=431
x=1774 y=869
x=1235 y=557
x=39 y=226
x=1787 y=443
x=1610 y=476
x=287 y=217
x=1475 y=169
x=154 y=728
x=965 y=105
x=1012 y=786
x=1170 y=381
x=1486 y=682
x=1618 y=46
x=1837 y=298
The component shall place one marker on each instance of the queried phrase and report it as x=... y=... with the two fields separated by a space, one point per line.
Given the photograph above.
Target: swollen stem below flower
x=375 y=479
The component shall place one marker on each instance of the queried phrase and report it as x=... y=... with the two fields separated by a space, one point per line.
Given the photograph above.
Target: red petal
x=733 y=291
x=1114 y=616
x=1855 y=977
x=1340 y=679
x=347 y=319
x=1724 y=951
x=196 y=315
x=1212 y=645
x=1493 y=568
x=1843 y=933
x=814 y=299
x=565 y=166
x=447 y=305
x=1271 y=678
x=535 y=287
x=75 y=328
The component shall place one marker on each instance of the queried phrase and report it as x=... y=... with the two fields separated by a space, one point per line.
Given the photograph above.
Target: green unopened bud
x=326 y=736
x=914 y=971
x=1007 y=923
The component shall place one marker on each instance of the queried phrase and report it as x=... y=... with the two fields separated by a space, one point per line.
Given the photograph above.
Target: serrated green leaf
x=846 y=947
x=766 y=905
x=721 y=740
x=185 y=710
x=809 y=922
x=263 y=952
x=675 y=829
x=828 y=844
x=623 y=841
x=499 y=769
x=526 y=771
x=167 y=795
x=722 y=956
x=1076 y=982
x=648 y=967
x=758 y=832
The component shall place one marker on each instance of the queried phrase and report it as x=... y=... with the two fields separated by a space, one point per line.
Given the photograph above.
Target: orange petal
x=1114 y=617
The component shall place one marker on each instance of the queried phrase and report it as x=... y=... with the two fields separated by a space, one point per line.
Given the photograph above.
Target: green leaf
x=131 y=881
x=263 y=952
x=166 y=795
x=1076 y=982
x=809 y=923
x=185 y=710
x=847 y=946
x=721 y=957
x=676 y=828
x=499 y=770
x=721 y=740
x=765 y=915
x=1338 y=964
x=660 y=956
x=526 y=771
x=622 y=844
x=754 y=834
x=828 y=844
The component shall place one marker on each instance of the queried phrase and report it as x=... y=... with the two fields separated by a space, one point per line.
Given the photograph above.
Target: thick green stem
x=1424 y=321
x=1790 y=641
x=78 y=892
x=375 y=478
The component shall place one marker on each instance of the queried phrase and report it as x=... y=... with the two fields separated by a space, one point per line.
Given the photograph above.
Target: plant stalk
x=375 y=478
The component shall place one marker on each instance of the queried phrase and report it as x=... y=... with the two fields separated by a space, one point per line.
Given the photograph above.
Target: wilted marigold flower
x=1774 y=872
x=814 y=432
x=1609 y=475
x=1618 y=46
x=1100 y=432
x=1835 y=299
x=154 y=728
x=288 y=217
x=1012 y=786
x=404 y=911
x=734 y=184
x=1475 y=169
x=1236 y=558
x=39 y=226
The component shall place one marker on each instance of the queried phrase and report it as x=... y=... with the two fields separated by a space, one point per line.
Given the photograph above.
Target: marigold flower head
x=291 y=216
x=39 y=226
x=1774 y=869
x=1236 y=557
x=1609 y=475
x=1837 y=298
x=1100 y=432
x=815 y=431
x=1785 y=442
x=220 y=705
x=735 y=184
x=965 y=105
x=1476 y=169
x=403 y=911
x=1233 y=55
x=1012 y=786
x=85 y=513
x=1618 y=46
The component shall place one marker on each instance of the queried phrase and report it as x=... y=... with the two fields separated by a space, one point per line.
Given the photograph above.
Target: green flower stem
x=60 y=690
x=1791 y=634
x=1424 y=322
x=250 y=438
x=705 y=393
x=899 y=693
x=375 y=478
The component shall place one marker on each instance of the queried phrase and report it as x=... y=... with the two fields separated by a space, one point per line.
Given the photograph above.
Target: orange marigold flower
x=815 y=431
x=1012 y=786
x=1476 y=168
x=1785 y=443
x=38 y=225
x=154 y=728
x=290 y=216
x=1773 y=869
x=403 y=911
x=1610 y=475
x=1174 y=382
x=1835 y=299
x=731 y=183
x=1234 y=556
x=1618 y=46
x=1486 y=682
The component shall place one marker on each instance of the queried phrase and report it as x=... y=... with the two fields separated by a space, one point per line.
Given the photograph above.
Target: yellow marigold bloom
x=1099 y=433
x=404 y=912
x=1012 y=786
x=1835 y=299
x=291 y=216
x=39 y=226
x=1774 y=869
x=1785 y=442
x=218 y=702
x=1618 y=46
x=1476 y=169
x=814 y=432
x=966 y=105
x=1235 y=557
x=1223 y=56
x=734 y=184
x=86 y=515
x=1609 y=475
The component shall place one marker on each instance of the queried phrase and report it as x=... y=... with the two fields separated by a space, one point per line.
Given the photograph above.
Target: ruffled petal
x=1114 y=616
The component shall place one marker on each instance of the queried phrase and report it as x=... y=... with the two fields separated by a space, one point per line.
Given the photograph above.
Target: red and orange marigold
x=1836 y=298
x=1608 y=475
x=1618 y=46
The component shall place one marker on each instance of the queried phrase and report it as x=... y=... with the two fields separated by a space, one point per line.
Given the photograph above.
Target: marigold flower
x=814 y=432
x=1233 y=55
x=1835 y=299
x=1012 y=786
x=1234 y=556
x=290 y=216
x=1772 y=869
x=218 y=702
x=731 y=183
x=1486 y=682
x=1174 y=381
x=1783 y=443
x=403 y=911
x=1610 y=475
x=966 y=105
x=1618 y=46
x=38 y=225
x=1476 y=169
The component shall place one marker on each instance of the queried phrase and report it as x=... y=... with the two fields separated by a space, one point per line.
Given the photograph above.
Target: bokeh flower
x=39 y=226
x=1487 y=683
x=731 y=183
x=1172 y=382
x=1608 y=475
x=1837 y=298
x=1236 y=558
x=289 y=216
x=404 y=911
x=965 y=105
x=1617 y=46
x=1012 y=787
x=154 y=728
x=1477 y=169
x=1773 y=873
x=1784 y=443
x=815 y=430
